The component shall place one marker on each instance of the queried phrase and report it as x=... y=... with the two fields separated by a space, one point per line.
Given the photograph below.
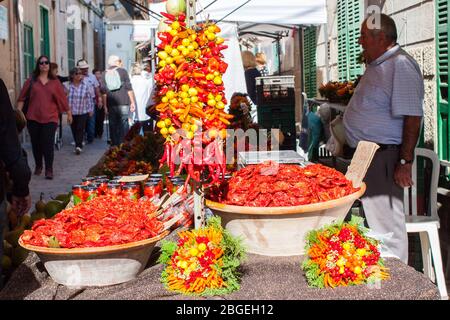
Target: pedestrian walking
x=13 y=161
x=251 y=73
x=54 y=70
x=81 y=102
x=99 y=108
x=119 y=99
x=142 y=83
x=41 y=99
x=94 y=85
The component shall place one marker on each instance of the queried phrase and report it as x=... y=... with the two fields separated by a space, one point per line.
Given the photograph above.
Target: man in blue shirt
x=386 y=108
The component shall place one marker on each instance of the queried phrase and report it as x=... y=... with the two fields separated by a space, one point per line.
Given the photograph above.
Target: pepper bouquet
x=202 y=262
x=341 y=255
x=190 y=97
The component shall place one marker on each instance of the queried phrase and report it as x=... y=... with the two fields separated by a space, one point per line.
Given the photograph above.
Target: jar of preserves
x=88 y=180
x=114 y=189
x=102 y=186
x=131 y=191
x=90 y=192
x=153 y=188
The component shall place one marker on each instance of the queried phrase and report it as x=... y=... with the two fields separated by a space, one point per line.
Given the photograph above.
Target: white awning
x=284 y=12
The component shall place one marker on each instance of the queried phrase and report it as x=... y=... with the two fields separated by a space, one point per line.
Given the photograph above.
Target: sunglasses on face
x=43 y=63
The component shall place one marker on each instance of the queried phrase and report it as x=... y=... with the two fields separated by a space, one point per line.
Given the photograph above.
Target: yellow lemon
x=340 y=262
x=175 y=25
x=193 y=37
x=170 y=94
x=169 y=60
x=361 y=252
x=162 y=55
x=193 y=252
x=211 y=102
x=181 y=47
x=168 y=122
x=216 y=73
x=194 y=99
x=202 y=247
x=162 y=63
x=186 y=101
x=172 y=130
x=164 y=131
x=195 y=45
x=211 y=36
x=209 y=76
x=190 y=135
x=185 y=87
x=212 y=133
x=190 y=47
x=220 y=105
x=357 y=270
x=186 y=42
x=192 y=92
x=173 y=33
x=174 y=53
x=185 y=52
x=184 y=94
x=217 y=80
x=161 y=124
x=164 y=99
x=168 y=49
x=220 y=40
x=173 y=101
x=218 y=97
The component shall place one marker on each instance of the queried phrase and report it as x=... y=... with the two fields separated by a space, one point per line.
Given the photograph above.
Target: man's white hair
x=113 y=61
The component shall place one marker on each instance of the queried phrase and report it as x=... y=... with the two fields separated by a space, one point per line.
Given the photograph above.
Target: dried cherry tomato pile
x=269 y=185
x=103 y=221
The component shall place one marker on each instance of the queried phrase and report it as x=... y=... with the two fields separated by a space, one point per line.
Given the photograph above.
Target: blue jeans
x=118 y=123
x=90 y=128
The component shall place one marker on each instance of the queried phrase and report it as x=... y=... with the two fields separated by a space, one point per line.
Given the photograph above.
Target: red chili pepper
x=168 y=16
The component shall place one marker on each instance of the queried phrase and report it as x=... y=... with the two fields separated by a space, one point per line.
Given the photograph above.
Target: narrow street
x=68 y=168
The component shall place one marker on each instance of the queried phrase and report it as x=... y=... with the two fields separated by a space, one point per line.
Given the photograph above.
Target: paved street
x=68 y=168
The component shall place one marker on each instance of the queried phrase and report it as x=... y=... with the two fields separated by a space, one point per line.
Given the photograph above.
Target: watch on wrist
x=403 y=161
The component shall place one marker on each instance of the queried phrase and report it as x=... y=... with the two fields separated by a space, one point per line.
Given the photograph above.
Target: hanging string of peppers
x=191 y=99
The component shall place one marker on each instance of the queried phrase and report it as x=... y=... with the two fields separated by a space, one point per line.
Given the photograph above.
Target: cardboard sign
x=139 y=178
x=361 y=160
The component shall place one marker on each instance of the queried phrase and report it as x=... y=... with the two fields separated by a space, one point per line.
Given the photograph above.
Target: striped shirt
x=81 y=98
x=392 y=87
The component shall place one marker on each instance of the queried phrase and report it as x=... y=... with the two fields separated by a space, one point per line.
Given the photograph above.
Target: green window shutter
x=309 y=53
x=349 y=24
x=44 y=32
x=442 y=50
x=71 y=48
x=28 y=50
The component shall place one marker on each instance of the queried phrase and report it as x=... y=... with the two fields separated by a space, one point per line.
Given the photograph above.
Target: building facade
x=331 y=53
x=64 y=30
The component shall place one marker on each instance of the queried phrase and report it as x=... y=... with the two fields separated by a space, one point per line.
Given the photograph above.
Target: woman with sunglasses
x=81 y=102
x=45 y=99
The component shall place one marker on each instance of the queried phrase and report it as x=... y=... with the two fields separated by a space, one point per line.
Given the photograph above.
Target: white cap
x=113 y=61
x=82 y=64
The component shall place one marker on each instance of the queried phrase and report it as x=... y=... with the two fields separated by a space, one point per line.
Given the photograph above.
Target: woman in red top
x=46 y=100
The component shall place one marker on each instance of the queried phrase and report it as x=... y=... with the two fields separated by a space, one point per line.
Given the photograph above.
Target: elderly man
x=119 y=99
x=386 y=108
x=93 y=83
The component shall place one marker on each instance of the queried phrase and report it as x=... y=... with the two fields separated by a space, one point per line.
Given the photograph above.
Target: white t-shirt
x=142 y=87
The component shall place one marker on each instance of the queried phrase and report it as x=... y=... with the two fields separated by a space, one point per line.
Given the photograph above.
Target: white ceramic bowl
x=280 y=231
x=103 y=266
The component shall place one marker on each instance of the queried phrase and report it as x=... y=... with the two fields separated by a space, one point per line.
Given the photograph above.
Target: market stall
x=130 y=236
